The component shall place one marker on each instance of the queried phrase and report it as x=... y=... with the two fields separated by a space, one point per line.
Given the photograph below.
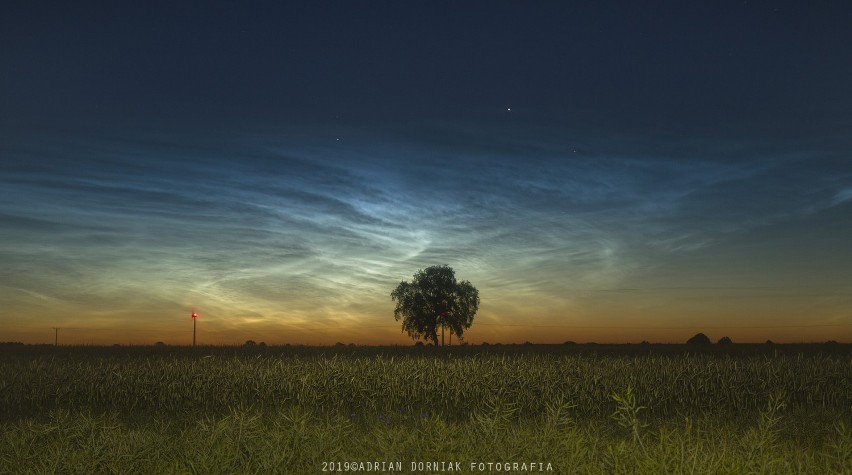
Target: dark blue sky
x=614 y=171
x=720 y=66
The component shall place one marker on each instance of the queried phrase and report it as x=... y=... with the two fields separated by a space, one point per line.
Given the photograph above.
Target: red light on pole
x=194 y=316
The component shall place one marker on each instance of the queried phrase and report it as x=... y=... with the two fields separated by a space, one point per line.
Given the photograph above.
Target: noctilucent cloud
x=605 y=172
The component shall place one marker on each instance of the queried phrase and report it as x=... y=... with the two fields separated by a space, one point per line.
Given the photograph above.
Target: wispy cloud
x=271 y=230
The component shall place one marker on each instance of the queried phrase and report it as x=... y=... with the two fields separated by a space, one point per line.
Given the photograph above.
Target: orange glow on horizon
x=491 y=329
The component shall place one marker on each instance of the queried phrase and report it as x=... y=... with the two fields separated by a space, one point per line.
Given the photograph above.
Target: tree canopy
x=435 y=299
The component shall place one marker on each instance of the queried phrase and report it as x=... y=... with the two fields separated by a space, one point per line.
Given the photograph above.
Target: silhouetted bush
x=698 y=339
x=724 y=341
x=250 y=343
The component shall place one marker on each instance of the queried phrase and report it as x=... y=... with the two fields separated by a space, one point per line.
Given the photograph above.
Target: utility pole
x=194 y=316
x=55 y=336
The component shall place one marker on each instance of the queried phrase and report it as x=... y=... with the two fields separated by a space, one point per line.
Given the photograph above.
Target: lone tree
x=434 y=299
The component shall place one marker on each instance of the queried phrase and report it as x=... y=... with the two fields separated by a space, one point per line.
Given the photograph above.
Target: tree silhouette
x=698 y=339
x=435 y=299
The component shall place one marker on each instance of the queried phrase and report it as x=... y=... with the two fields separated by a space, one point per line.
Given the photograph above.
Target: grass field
x=498 y=409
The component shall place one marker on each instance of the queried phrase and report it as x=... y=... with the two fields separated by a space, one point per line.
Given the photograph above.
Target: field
x=498 y=409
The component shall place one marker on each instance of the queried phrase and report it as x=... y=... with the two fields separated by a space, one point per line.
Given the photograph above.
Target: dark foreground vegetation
x=579 y=408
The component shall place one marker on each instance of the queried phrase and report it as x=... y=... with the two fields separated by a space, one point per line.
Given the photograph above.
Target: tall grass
x=298 y=441
x=231 y=410
x=455 y=387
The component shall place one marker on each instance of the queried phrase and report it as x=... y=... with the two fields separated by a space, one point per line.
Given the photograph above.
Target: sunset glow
x=630 y=193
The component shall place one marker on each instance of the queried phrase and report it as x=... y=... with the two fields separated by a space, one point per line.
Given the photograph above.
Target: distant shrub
x=569 y=342
x=724 y=341
x=698 y=339
x=250 y=343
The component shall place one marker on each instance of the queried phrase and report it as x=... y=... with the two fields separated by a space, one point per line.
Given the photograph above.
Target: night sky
x=600 y=171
